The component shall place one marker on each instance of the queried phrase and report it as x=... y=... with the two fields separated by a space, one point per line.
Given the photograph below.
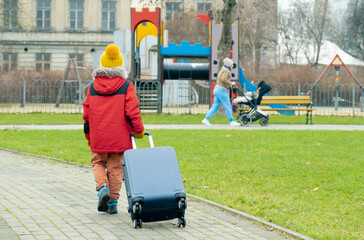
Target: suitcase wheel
x=181 y=222
x=138 y=223
x=182 y=204
x=137 y=208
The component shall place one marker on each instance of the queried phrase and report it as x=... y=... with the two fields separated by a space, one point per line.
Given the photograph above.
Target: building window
x=78 y=58
x=108 y=16
x=203 y=6
x=10 y=61
x=10 y=14
x=171 y=7
x=76 y=15
x=43 y=14
x=42 y=61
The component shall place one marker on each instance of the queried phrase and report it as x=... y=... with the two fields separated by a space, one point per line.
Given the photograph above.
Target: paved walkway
x=201 y=126
x=47 y=199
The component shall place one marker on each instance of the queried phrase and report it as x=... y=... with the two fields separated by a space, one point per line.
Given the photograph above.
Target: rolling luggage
x=154 y=185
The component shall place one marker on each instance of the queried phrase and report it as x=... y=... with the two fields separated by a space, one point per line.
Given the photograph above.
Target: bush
x=303 y=74
x=41 y=87
x=20 y=74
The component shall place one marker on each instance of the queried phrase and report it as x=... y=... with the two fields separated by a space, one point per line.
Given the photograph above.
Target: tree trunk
x=226 y=41
x=320 y=36
x=257 y=59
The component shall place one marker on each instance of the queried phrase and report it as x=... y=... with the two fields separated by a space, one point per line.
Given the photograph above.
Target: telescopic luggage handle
x=145 y=133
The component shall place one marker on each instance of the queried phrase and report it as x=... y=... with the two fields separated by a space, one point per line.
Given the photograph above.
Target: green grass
x=49 y=118
x=39 y=118
x=308 y=181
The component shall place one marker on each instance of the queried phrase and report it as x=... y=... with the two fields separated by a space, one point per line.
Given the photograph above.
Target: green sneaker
x=113 y=206
x=104 y=197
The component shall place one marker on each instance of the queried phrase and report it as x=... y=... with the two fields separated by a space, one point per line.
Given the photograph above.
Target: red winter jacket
x=111 y=111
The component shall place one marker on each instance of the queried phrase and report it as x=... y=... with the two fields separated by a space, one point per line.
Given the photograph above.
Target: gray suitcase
x=154 y=184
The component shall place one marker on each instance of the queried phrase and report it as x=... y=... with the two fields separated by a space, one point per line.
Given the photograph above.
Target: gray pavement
x=46 y=199
x=201 y=126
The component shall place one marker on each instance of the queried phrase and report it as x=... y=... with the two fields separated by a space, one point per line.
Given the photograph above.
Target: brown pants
x=107 y=168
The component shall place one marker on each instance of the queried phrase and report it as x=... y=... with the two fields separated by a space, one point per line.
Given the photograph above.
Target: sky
x=337 y=10
x=337 y=7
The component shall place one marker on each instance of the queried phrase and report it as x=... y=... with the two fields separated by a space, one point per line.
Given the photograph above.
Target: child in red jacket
x=111 y=113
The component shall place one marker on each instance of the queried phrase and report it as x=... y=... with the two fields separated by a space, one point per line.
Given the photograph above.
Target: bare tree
x=293 y=37
x=304 y=23
x=287 y=30
x=258 y=29
x=321 y=28
x=227 y=19
x=355 y=30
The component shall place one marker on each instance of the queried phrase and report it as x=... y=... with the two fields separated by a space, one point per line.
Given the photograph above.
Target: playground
x=180 y=78
x=175 y=69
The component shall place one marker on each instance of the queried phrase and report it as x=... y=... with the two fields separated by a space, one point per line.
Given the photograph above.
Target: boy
x=111 y=113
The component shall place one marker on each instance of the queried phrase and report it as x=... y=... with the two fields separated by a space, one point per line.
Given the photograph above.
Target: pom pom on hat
x=228 y=62
x=111 y=57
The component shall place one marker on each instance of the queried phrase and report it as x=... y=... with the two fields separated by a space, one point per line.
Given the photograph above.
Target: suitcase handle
x=145 y=133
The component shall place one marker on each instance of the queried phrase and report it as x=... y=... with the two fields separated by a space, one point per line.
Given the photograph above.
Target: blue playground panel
x=185 y=49
x=181 y=60
x=252 y=88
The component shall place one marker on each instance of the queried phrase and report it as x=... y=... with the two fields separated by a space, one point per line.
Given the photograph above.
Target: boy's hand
x=88 y=142
x=139 y=135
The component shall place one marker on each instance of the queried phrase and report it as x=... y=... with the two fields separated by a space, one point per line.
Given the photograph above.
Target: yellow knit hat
x=111 y=57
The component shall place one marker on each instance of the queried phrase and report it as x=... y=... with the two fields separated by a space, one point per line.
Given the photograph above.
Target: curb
x=271 y=226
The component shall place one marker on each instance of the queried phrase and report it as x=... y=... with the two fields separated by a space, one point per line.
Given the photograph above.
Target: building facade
x=44 y=34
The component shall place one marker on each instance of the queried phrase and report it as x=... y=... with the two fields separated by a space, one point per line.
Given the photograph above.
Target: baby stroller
x=251 y=100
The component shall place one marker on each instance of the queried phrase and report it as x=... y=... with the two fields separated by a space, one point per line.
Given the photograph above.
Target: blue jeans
x=221 y=96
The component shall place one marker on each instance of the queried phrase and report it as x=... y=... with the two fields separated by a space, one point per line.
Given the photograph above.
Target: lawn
x=308 y=181
x=53 y=118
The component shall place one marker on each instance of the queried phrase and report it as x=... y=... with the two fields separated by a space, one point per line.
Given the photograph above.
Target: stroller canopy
x=264 y=88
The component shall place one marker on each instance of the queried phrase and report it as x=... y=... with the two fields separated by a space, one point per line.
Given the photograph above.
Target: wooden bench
x=294 y=101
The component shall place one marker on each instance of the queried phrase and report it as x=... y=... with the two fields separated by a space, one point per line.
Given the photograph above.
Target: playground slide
x=252 y=88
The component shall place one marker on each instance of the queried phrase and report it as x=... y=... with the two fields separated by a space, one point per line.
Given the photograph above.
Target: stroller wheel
x=238 y=118
x=264 y=122
x=245 y=120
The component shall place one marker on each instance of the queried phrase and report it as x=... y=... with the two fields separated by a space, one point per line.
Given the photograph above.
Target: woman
x=221 y=94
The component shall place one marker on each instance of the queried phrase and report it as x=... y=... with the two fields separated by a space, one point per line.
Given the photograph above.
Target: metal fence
x=39 y=96
x=176 y=97
x=335 y=100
